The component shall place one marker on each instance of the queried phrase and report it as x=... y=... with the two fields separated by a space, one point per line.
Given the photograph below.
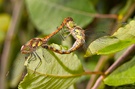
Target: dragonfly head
x=68 y=19
x=26 y=49
x=31 y=46
x=70 y=23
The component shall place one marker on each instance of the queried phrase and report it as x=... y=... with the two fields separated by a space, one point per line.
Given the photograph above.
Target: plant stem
x=17 y=9
x=100 y=65
x=126 y=56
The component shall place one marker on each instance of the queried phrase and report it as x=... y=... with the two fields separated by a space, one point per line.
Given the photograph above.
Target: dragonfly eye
x=22 y=48
x=70 y=25
x=25 y=49
x=68 y=19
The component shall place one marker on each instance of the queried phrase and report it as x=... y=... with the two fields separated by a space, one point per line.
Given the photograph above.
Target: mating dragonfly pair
x=76 y=31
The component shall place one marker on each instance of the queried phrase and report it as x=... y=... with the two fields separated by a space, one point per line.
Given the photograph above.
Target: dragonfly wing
x=87 y=50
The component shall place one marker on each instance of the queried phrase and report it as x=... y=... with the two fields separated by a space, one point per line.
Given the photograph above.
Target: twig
x=17 y=9
x=112 y=16
x=100 y=65
x=120 y=60
x=129 y=12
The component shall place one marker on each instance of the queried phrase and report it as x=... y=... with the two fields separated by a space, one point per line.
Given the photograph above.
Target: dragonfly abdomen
x=75 y=46
x=57 y=50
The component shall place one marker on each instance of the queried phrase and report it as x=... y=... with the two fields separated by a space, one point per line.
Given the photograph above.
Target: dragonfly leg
x=62 y=32
x=30 y=57
x=39 y=59
x=67 y=36
x=61 y=36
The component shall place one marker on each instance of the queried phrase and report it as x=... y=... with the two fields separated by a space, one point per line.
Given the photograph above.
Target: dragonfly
x=31 y=46
x=79 y=35
x=77 y=32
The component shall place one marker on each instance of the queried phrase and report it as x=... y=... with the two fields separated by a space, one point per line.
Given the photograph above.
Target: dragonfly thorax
x=78 y=33
x=70 y=25
x=31 y=46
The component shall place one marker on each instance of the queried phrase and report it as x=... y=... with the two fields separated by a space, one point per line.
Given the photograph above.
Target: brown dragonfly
x=31 y=46
x=77 y=32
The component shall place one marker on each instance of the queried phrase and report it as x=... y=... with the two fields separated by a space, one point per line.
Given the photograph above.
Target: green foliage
x=4 y=23
x=123 y=75
x=121 y=39
x=48 y=14
x=16 y=73
x=55 y=72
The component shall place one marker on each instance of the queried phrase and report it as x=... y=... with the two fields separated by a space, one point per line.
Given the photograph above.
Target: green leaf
x=125 y=87
x=123 y=75
x=49 y=14
x=57 y=71
x=16 y=70
x=124 y=37
x=4 y=23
